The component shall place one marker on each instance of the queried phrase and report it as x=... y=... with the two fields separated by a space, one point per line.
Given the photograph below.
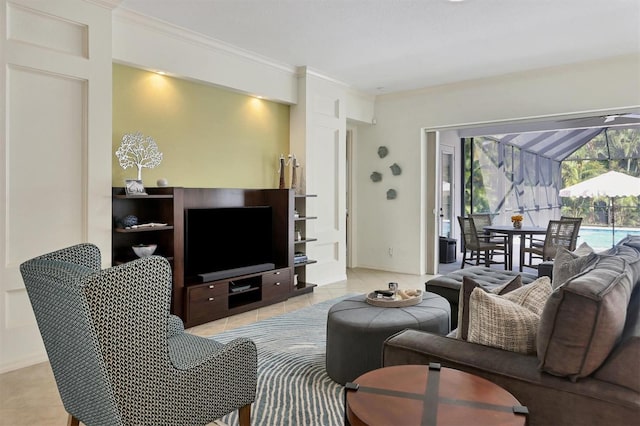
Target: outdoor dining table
x=510 y=231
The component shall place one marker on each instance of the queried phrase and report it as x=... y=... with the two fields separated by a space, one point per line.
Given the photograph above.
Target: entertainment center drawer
x=205 y=291
x=276 y=284
x=209 y=309
x=278 y=275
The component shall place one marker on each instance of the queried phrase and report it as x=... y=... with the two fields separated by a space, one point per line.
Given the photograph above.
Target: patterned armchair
x=119 y=357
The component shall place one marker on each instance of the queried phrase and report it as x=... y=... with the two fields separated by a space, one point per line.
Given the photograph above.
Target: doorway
x=349 y=187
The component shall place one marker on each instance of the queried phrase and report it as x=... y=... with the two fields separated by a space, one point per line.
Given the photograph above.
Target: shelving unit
x=197 y=302
x=161 y=205
x=300 y=245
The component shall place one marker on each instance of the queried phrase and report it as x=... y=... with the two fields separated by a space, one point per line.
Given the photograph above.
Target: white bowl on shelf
x=144 y=250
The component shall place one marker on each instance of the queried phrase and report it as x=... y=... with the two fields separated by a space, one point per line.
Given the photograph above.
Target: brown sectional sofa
x=587 y=367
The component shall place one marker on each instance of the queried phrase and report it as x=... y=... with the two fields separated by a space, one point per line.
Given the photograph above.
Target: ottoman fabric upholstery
x=357 y=330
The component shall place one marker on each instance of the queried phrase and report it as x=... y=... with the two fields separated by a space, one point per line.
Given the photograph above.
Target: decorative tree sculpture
x=138 y=150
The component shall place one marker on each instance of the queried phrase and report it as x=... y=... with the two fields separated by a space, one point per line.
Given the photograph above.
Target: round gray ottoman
x=356 y=331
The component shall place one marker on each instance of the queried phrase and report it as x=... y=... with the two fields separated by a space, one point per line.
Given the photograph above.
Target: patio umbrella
x=611 y=184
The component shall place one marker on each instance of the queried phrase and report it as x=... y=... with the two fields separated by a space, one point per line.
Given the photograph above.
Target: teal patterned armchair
x=119 y=357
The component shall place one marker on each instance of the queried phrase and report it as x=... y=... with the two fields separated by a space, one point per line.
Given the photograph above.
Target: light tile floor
x=29 y=396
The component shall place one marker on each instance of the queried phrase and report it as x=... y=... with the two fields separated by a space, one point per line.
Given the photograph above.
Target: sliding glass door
x=446 y=217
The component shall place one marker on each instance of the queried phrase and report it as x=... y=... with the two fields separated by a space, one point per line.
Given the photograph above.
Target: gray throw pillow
x=583 y=250
x=567 y=264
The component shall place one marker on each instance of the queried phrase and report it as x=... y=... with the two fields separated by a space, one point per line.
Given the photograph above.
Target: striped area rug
x=293 y=385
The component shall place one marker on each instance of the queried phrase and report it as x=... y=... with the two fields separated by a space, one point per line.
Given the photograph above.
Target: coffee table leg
x=348 y=387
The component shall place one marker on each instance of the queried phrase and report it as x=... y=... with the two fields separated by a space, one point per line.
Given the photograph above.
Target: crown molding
x=195 y=38
x=107 y=4
x=304 y=71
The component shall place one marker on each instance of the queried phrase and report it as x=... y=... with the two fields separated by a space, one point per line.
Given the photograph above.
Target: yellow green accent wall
x=209 y=137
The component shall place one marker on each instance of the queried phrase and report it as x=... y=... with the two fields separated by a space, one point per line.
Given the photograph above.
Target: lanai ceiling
x=556 y=145
x=555 y=140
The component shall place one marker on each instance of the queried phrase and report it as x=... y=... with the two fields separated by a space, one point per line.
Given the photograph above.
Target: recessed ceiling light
x=161 y=72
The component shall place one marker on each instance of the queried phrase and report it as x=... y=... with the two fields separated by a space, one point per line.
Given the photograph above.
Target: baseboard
x=23 y=363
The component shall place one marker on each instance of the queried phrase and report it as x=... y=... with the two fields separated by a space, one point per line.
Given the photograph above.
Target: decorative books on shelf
x=299 y=257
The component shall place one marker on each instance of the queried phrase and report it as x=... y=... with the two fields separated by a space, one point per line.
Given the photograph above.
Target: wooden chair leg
x=244 y=415
x=72 y=421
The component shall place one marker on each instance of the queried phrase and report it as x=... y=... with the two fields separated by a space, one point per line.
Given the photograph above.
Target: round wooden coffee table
x=429 y=395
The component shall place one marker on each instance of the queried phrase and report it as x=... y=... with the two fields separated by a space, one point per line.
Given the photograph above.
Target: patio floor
x=445 y=268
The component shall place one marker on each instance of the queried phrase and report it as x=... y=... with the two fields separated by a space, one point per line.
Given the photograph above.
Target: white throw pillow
x=468 y=285
x=508 y=322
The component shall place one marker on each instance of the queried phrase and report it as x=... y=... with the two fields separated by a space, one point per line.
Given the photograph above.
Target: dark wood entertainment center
x=195 y=301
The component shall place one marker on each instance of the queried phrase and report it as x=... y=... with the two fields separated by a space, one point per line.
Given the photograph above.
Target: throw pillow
x=583 y=250
x=508 y=322
x=567 y=264
x=532 y=296
x=501 y=323
x=468 y=285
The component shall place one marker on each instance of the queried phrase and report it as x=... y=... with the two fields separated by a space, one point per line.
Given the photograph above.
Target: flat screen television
x=229 y=241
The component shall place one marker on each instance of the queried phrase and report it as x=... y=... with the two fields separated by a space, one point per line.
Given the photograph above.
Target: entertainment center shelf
x=300 y=218
x=146 y=229
x=216 y=294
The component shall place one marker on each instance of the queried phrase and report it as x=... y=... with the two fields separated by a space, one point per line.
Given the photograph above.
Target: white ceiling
x=383 y=46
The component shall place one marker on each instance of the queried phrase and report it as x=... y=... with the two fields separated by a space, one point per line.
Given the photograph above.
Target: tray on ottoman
x=384 y=302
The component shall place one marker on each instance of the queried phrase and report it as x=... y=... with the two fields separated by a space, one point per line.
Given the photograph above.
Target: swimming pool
x=599 y=238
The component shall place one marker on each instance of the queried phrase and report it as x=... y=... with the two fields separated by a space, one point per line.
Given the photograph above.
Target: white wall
x=55 y=160
x=613 y=84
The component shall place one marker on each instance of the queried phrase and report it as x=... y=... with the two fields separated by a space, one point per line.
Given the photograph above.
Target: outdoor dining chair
x=481 y=248
x=560 y=233
x=480 y=220
x=539 y=243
